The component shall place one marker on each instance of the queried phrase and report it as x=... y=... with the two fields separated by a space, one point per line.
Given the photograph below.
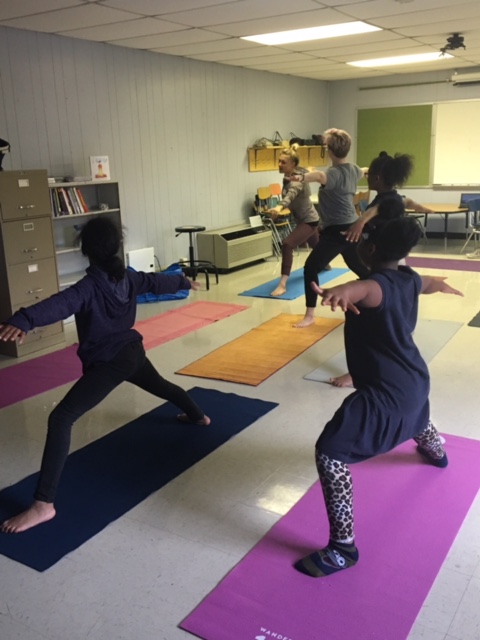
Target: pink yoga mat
x=37 y=375
x=178 y=322
x=407 y=514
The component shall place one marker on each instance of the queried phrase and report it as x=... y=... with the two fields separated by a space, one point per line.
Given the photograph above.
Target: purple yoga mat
x=407 y=514
x=444 y=263
x=40 y=374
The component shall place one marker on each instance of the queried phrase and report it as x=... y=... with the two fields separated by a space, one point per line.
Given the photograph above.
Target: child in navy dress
x=390 y=404
x=104 y=303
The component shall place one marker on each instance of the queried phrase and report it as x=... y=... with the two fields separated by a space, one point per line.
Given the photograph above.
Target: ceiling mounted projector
x=455 y=41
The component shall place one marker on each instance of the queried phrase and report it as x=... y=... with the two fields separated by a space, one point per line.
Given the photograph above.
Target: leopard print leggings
x=336 y=482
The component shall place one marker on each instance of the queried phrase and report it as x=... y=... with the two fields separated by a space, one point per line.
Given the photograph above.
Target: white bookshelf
x=101 y=199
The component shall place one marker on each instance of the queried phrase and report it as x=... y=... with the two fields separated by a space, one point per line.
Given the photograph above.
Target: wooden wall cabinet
x=266 y=159
x=28 y=272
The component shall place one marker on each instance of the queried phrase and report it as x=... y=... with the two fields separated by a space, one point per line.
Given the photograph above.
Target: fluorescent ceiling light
x=313 y=33
x=385 y=62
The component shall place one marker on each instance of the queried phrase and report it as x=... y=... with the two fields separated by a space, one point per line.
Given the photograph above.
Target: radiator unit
x=233 y=246
x=142 y=259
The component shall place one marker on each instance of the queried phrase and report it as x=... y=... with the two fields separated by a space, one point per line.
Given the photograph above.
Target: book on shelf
x=100 y=167
x=82 y=200
x=67 y=201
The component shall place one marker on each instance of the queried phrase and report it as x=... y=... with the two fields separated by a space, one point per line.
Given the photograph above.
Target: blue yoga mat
x=110 y=476
x=295 y=286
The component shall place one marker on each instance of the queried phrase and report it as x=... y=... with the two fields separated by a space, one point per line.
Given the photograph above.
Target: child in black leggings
x=390 y=404
x=111 y=351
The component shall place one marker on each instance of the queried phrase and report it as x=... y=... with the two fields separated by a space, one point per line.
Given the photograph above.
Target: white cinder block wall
x=176 y=130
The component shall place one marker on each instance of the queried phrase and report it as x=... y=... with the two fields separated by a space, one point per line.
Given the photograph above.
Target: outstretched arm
x=415 y=206
x=311 y=176
x=9 y=332
x=294 y=189
x=353 y=233
x=437 y=284
x=347 y=296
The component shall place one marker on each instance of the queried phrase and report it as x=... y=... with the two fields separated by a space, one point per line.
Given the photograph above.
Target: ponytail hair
x=100 y=241
x=394 y=171
x=291 y=153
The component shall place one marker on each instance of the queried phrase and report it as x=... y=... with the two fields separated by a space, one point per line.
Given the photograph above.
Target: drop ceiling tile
x=383 y=54
x=460 y=25
x=255 y=52
x=344 y=41
x=19 y=8
x=374 y=9
x=292 y=69
x=72 y=18
x=439 y=39
x=184 y=36
x=163 y=7
x=282 y=23
x=248 y=62
x=382 y=48
x=127 y=29
x=434 y=16
x=239 y=11
x=224 y=45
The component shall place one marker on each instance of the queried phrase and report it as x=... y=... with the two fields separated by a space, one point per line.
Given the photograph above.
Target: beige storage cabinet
x=28 y=272
x=234 y=246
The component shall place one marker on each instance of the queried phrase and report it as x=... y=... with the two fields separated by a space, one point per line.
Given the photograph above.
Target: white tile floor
x=137 y=579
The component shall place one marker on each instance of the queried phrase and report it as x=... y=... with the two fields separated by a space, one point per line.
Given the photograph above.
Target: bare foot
x=279 y=291
x=342 y=381
x=39 y=512
x=205 y=421
x=305 y=322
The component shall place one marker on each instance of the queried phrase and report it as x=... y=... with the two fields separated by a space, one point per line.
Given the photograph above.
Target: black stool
x=193 y=266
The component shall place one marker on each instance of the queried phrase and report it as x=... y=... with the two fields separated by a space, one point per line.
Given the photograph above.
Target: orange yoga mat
x=261 y=352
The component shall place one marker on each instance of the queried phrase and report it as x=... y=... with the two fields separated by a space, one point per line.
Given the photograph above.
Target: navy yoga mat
x=110 y=476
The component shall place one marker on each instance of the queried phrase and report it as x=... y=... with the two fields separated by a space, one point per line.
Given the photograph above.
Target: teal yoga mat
x=295 y=286
x=110 y=476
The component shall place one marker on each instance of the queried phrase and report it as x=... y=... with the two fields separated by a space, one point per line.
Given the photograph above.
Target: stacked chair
x=267 y=198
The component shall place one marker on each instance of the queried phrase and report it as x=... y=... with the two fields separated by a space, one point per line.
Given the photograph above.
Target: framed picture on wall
x=100 y=167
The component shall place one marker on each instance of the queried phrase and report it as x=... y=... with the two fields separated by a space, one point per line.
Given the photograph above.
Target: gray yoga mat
x=430 y=336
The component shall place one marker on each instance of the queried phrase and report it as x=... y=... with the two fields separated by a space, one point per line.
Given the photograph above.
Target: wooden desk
x=444 y=210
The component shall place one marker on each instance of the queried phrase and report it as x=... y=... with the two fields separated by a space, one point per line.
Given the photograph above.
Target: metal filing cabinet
x=28 y=271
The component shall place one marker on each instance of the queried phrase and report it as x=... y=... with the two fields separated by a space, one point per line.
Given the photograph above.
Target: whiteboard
x=457 y=143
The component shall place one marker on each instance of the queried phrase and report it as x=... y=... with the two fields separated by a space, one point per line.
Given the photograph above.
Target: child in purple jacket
x=111 y=351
